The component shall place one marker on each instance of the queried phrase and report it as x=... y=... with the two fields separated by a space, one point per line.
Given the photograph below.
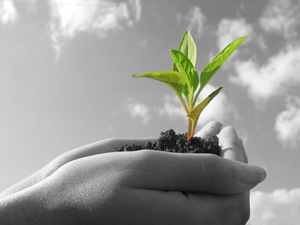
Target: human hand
x=233 y=149
x=144 y=187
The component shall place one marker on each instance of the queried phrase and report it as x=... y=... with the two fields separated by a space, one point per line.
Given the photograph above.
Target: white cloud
x=282 y=17
x=138 y=110
x=229 y=30
x=277 y=208
x=273 y=79
x=8 y=12
x=195 y=19
x=95 y=16
x=172 y=108
x=288 y=123
x=218 y=109
x=143 y=43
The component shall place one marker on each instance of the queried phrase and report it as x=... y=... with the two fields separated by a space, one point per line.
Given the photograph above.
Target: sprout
x=184 y=79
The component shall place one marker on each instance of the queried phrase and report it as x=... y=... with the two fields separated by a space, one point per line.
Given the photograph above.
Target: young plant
x=184 y=79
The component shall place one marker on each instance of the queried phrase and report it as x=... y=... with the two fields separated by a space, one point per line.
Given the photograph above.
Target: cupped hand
x=233 y=150
x=97 y=185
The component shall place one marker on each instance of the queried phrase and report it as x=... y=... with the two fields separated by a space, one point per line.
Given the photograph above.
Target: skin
x=97 y=185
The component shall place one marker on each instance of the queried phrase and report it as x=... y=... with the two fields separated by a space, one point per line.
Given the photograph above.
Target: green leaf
x=188 y=47
x=174 y=79
x=195 y=79
x=186 y=91
x=175 y=68
x=217 y=62
x=195 y=113
x=184 y=65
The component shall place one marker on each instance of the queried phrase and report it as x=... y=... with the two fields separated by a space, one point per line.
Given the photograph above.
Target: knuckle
x=138 y=166
x=144 y=157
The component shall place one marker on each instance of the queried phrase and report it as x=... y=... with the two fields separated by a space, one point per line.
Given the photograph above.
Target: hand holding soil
x=96 y=184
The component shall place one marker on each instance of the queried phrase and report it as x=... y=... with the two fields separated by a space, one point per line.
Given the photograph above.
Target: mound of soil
x=169 y=141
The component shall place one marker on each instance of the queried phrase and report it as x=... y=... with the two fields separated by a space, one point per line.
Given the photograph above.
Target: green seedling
x=184 y=79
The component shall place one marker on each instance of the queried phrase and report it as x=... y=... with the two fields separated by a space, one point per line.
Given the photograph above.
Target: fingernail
x=212 y=129
x=249 y=174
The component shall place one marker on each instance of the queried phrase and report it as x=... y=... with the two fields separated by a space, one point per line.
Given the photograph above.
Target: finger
x=227 y=209
x=210 y=129
x=244 y=152
x=207 y=173
x=188 y=208
x=234 y=209
x=105 y=146
x=230 y=144
x=96 y=148
x=242 y=215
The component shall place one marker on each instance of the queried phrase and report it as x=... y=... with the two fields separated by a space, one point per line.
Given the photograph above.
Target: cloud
x=218 y=109
x=95 y=16
x=231 y=29
x=138 y=110
x=287 y=123
x=273 y=79
x=143 y=43
x=195 y=19
x=8 y=12
x=172 y=108
x=276 y=208
x=282 y=17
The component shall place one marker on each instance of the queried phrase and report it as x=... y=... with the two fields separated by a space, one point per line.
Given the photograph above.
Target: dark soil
x=169 y=141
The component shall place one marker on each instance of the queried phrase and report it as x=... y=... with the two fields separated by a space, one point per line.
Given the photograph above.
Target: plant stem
x=191 y=106
x=189 y=127
x=189 y=138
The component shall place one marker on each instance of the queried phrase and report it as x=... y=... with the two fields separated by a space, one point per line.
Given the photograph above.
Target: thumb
x=189 y=172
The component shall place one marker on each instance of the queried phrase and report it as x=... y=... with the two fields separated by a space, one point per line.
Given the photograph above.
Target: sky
x=65 y=81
